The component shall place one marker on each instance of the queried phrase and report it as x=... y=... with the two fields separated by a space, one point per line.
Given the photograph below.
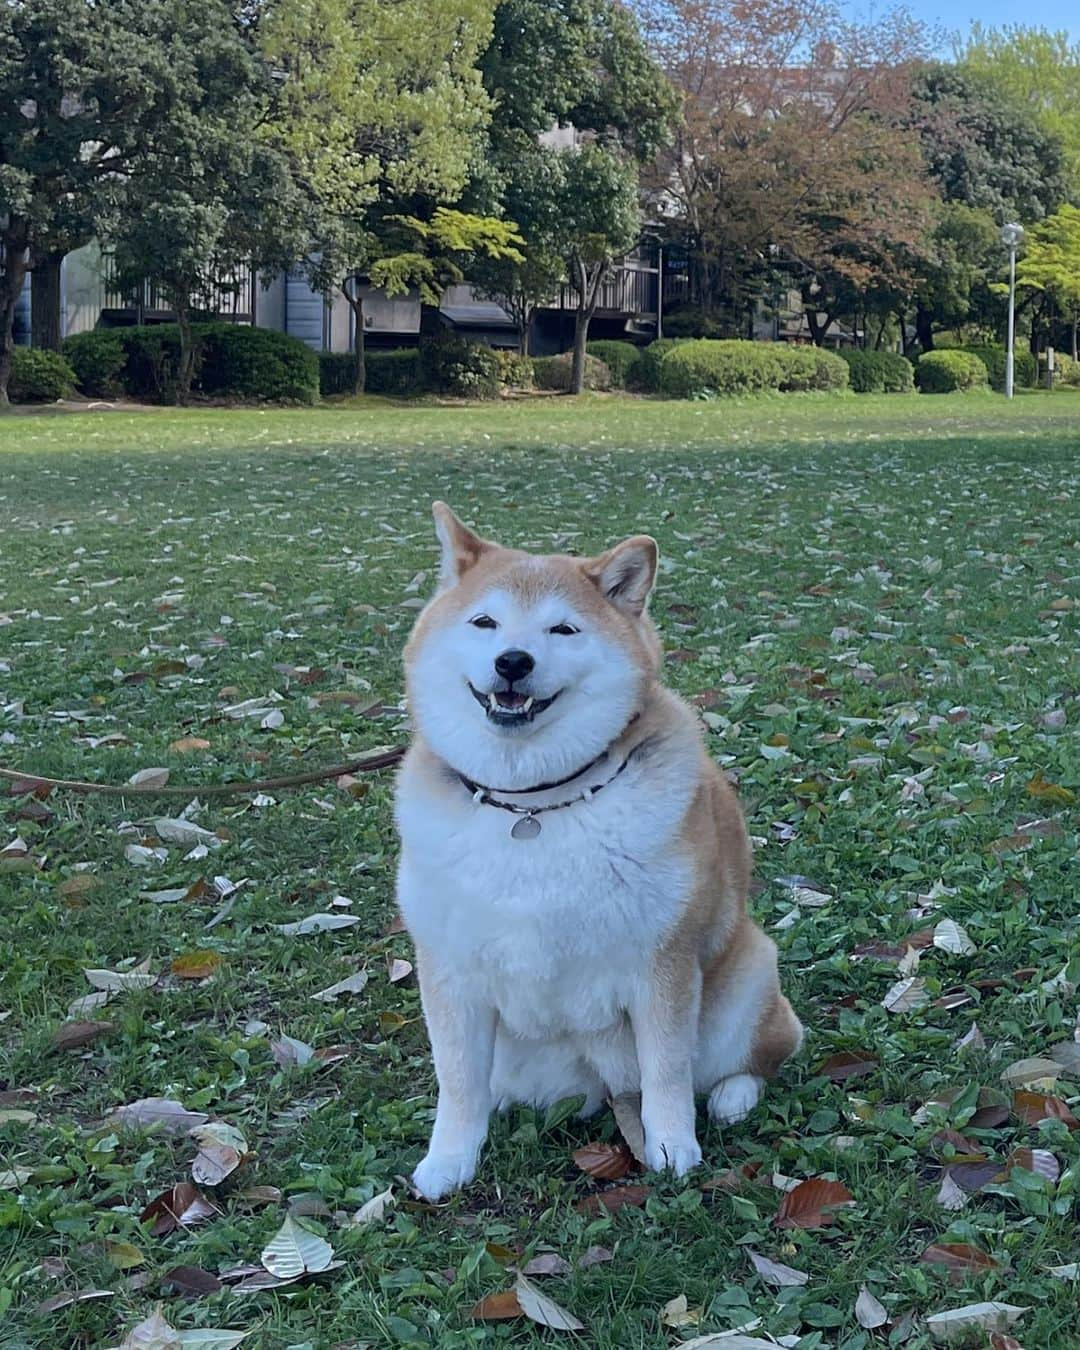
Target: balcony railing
x=631 y=288
x=233 y=298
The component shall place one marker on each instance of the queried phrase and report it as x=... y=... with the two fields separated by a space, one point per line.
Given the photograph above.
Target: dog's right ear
x=461 y=549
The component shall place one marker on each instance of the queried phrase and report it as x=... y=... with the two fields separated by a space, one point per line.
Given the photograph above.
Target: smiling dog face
x=521 y=669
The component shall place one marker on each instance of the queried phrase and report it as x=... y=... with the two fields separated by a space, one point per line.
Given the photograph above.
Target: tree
x=1038 y=71
x=787 y=151
x=382 y=109
x=206 y=196
x=79 y=87
x=1050 y=266
x=580 y=64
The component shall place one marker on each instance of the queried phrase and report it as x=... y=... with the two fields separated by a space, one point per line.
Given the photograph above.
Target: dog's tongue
x=508 y=699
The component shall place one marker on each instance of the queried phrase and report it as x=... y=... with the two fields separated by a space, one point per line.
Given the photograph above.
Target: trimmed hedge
x=258 y=363
x=946 y=371
x=805 y=368
x=233 y=360
x=621 y=359
x=645 y=374
x=395 y=372
x=98 y=359
x=39 y=376
x=879 y=372
x=992 y=355
x=553 y=372
x=739 y=367
x=1066 y=371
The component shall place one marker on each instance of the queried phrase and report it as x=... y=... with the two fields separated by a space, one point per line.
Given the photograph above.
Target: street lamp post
x=1011 y=236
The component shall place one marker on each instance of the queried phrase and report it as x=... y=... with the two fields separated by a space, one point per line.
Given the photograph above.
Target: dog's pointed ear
x=625 y=573
x=461 y=549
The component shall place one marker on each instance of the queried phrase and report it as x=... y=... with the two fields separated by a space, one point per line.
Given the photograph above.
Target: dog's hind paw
x=441 y=1173
x=734 y=1098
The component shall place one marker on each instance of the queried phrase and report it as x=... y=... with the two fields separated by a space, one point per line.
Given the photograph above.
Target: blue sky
x=957 y=15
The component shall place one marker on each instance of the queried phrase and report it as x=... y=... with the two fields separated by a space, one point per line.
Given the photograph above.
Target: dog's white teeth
x=527 y=704
x=493 y=702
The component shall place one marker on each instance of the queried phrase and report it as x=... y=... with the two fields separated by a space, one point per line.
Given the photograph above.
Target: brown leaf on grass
x=960 y=1259
x=812 y=1204
x=196 y=965
x=973 y=1176
x=183 y=1206
x=605 y=1162
x=1038 y=1160
x=847 y=1064
x=497 y=1307
x=186 y=744
x=73 y=1035
x=989 y=1117
x=734 y=1179
x=626 y=1109
x=259 y=1195
x=964 y=1149
x=610 y=1202
x=191 y=1280
x=999 y=1341
x=1042 y=789
x=1034 y=1107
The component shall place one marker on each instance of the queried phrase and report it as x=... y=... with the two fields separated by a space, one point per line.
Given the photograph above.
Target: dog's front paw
x=679 y=1155
x=441 y=1173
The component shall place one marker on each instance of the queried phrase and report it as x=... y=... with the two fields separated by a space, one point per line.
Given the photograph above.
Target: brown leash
x=31 y=782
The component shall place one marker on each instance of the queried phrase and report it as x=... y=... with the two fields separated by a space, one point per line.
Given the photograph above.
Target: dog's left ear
x=461 y=549
x=625 y=573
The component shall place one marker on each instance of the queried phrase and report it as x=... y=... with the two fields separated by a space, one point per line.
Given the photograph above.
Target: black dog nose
x=514 y=664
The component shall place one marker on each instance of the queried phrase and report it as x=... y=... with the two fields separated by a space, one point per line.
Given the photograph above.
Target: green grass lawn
x=875 y=601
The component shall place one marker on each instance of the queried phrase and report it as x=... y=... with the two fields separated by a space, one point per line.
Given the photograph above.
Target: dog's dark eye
x=483 y=621
x=564 y=629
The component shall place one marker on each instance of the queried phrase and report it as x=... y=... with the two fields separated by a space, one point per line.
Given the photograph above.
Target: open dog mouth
x=509 y=708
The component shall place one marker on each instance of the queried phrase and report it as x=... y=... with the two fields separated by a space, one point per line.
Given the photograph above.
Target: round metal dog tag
x=528 y=827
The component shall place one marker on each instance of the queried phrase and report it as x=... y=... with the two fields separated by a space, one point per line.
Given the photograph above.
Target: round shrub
x=39 y=376
x=1066 y=371
x=450 y=365
x=621 y=359
x=806 y=368
x=948 y=371
x=645 y=373
x=98 y=359
x=153 y=360
x=515 y=370
x=731 y=367
x=992 y=355
x=879 y=372
x=553 y=372
x=257 y=363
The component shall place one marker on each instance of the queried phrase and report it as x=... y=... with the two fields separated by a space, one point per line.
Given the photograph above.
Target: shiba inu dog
x=574 y=867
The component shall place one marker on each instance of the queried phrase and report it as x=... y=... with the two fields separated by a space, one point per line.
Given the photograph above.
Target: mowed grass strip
x=873 y=602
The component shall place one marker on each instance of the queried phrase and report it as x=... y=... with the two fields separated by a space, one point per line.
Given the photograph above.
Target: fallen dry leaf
x=610 y=1202
x=295 y=1251
x=222 y=1148
x=960 y=1259
x=173 y=1115
x=183 y=1206
x=543 y=1310
x=955 y=1324
x=905 y=995
x=626 y=1109
x=74 y=1035
x=291 y=1053
x=191 y=1280
x=1035 y=1107
x=196 y=965
x=374 y=1210
x=605 y=1162
x=847 y=1064
x=869 y=1312
x=353 y=984
x=812 y=1204
x=775 y=1272
x=58 y=1301
x=677 y=1313
x=186 y=744
x=1032 y=1073
x=497 y=1307
x=547 y=1263
x=147 y=778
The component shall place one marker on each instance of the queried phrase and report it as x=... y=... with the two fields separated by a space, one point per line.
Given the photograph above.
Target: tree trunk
x=45 y=302
x=818 y=330
x=924 y=329
x=588 y=290
x=186 y=372
x=11 y=284
x=1075 y=326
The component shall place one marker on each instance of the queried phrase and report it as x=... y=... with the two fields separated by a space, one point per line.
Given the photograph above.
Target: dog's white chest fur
x=556 y=931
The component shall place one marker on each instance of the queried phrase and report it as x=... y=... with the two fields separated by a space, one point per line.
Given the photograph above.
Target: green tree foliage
x=382 y=108
x=80 y=86
x=1050 y=267
x=1038 y=70
x=206 y=196
x=583 y=64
